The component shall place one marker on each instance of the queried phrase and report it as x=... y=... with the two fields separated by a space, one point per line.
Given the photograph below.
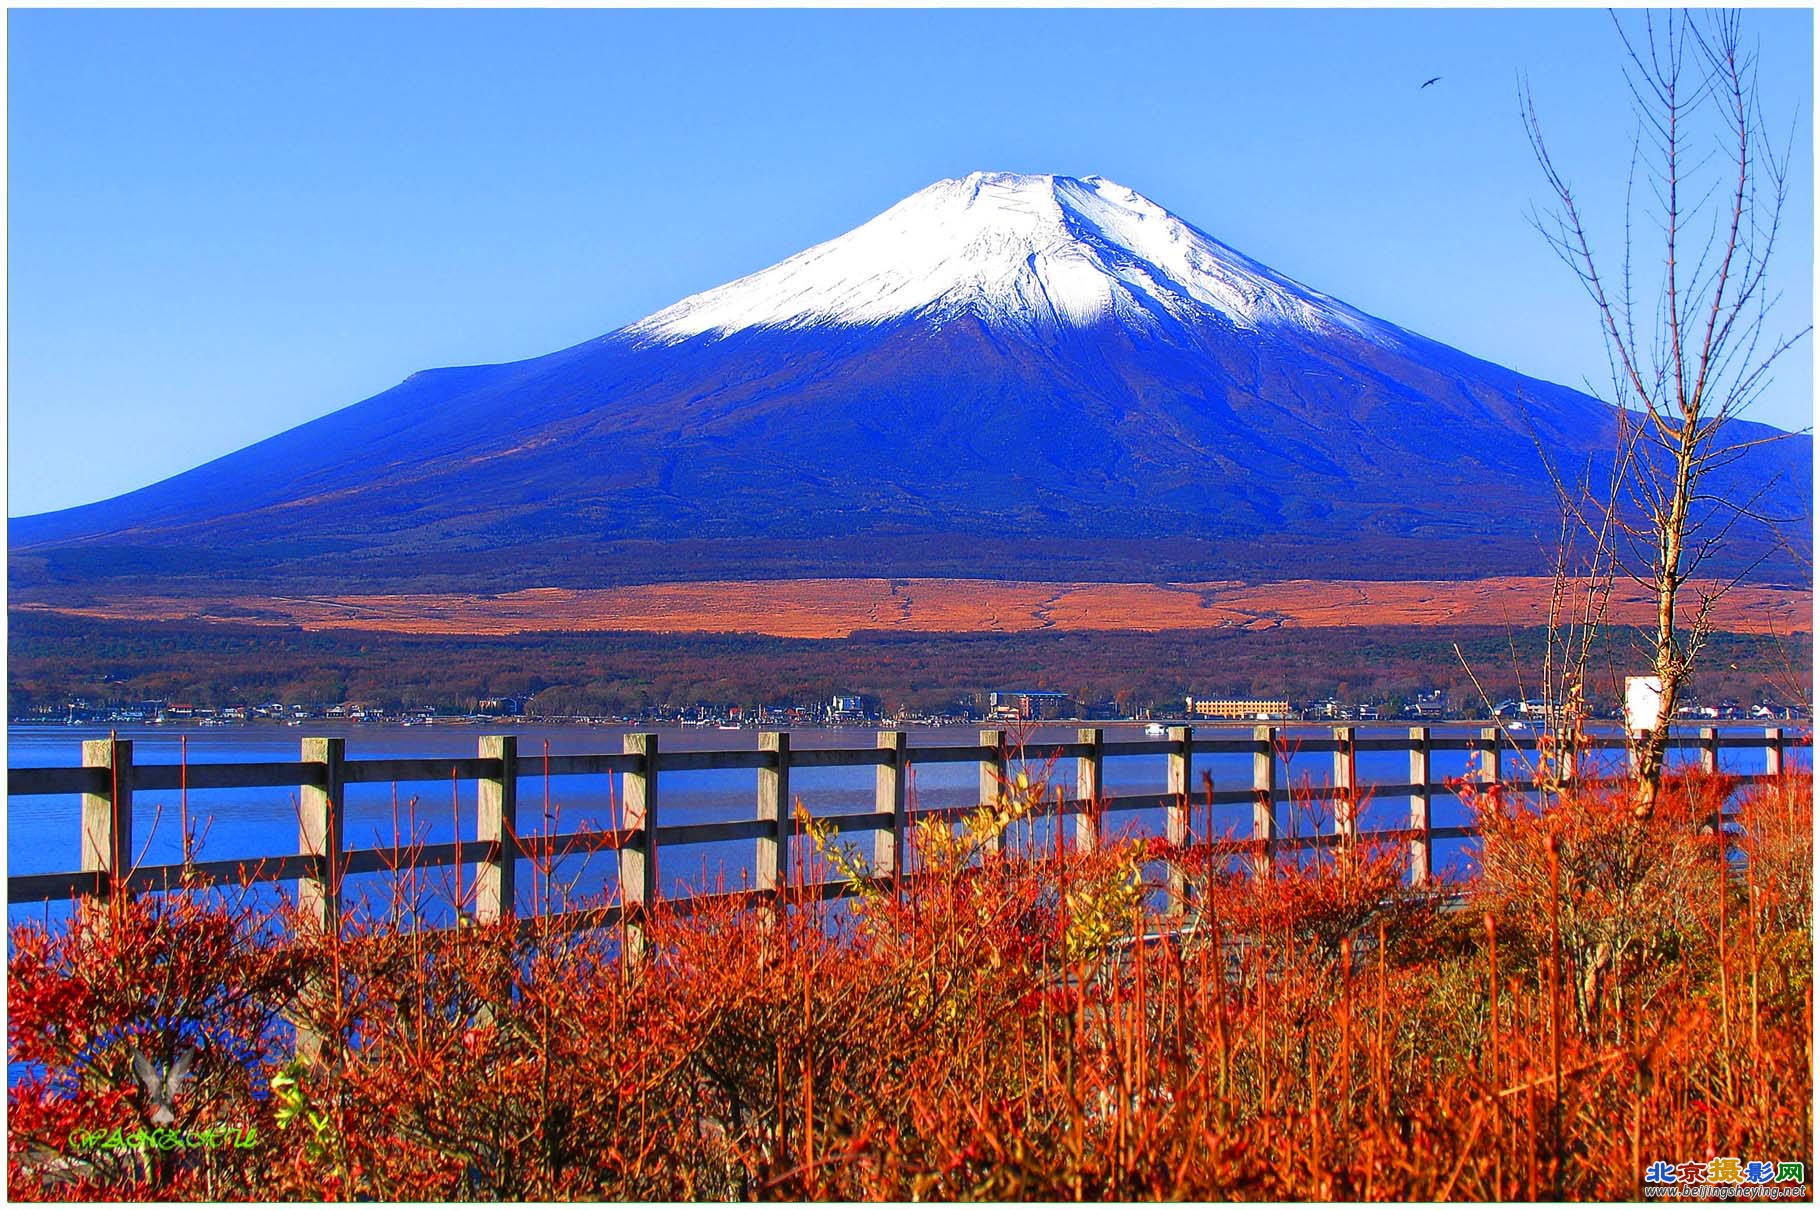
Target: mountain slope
x=1029 y=377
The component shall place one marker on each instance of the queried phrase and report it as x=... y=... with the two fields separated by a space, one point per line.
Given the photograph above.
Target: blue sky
x=225 y=223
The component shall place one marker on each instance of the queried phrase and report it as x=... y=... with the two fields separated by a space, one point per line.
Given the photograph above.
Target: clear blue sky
x=223 y=224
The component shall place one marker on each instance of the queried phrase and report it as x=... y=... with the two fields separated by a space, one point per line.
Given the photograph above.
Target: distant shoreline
x=526 y=723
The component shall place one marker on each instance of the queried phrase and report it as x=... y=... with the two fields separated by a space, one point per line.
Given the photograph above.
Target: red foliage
x=1012 y=1024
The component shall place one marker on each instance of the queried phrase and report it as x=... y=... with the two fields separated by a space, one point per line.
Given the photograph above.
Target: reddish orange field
x=823 y=609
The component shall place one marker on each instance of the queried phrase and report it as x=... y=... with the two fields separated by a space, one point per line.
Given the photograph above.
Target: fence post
x=1709 y=750
x=1492 y=766
x=1089 y=788
x=1177 y=811
x=321 y=822
x=774 y=809
x=1772 y=751
x=993 y=776
x=496 y=882
x=891 y=803
x=321 y=826
x=107 y=818
x=1421 y=845
x=1345 y=785
x=1264 y=808
x=638 y=854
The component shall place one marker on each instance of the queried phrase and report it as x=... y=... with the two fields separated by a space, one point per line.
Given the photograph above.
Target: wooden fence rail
x=108 y=779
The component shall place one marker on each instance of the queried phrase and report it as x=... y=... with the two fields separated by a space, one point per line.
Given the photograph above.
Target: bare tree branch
x=1687 y=354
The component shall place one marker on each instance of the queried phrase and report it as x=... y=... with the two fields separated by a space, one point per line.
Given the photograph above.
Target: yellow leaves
x=295 y=1106
x=1100 y=909
x=842 y=856
x=942 y=850
x=945 y=851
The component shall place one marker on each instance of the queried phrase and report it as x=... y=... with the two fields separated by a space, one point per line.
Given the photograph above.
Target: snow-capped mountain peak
x=1031 y=252
x=1117 y=397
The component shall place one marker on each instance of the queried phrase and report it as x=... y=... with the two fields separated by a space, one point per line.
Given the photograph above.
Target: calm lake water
x=42 y=830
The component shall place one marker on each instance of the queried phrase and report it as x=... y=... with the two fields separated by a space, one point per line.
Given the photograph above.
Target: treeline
x=52 y=659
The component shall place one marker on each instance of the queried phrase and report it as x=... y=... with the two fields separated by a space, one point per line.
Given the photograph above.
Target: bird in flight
x=1427 y=82
x=161 y=1090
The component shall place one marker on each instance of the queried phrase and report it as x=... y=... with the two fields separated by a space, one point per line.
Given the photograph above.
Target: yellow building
x=1236 y=708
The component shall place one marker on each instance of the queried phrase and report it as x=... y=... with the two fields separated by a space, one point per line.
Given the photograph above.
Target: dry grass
x=820 y=609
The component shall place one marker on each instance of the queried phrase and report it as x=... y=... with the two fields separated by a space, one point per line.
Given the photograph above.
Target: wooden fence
x=108 y=779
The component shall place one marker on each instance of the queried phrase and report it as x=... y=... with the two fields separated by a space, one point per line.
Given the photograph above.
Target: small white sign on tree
x=1642 y=703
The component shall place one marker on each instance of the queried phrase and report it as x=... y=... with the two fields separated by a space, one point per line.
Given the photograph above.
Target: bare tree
x=1689 y=339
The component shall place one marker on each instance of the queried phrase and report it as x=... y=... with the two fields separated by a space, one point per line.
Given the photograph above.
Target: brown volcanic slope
x=826 y=609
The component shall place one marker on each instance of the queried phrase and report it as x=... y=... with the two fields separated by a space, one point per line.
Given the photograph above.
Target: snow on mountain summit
x=1031 y=252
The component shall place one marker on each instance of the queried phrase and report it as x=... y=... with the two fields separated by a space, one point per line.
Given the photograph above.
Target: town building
x=1430 y=703
x=1027 y=704
x=1237 y=708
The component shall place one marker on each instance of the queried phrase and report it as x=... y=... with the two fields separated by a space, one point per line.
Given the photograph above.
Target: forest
x=53 y=659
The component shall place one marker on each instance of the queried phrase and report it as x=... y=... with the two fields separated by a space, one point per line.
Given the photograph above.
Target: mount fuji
x=1002 y=376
